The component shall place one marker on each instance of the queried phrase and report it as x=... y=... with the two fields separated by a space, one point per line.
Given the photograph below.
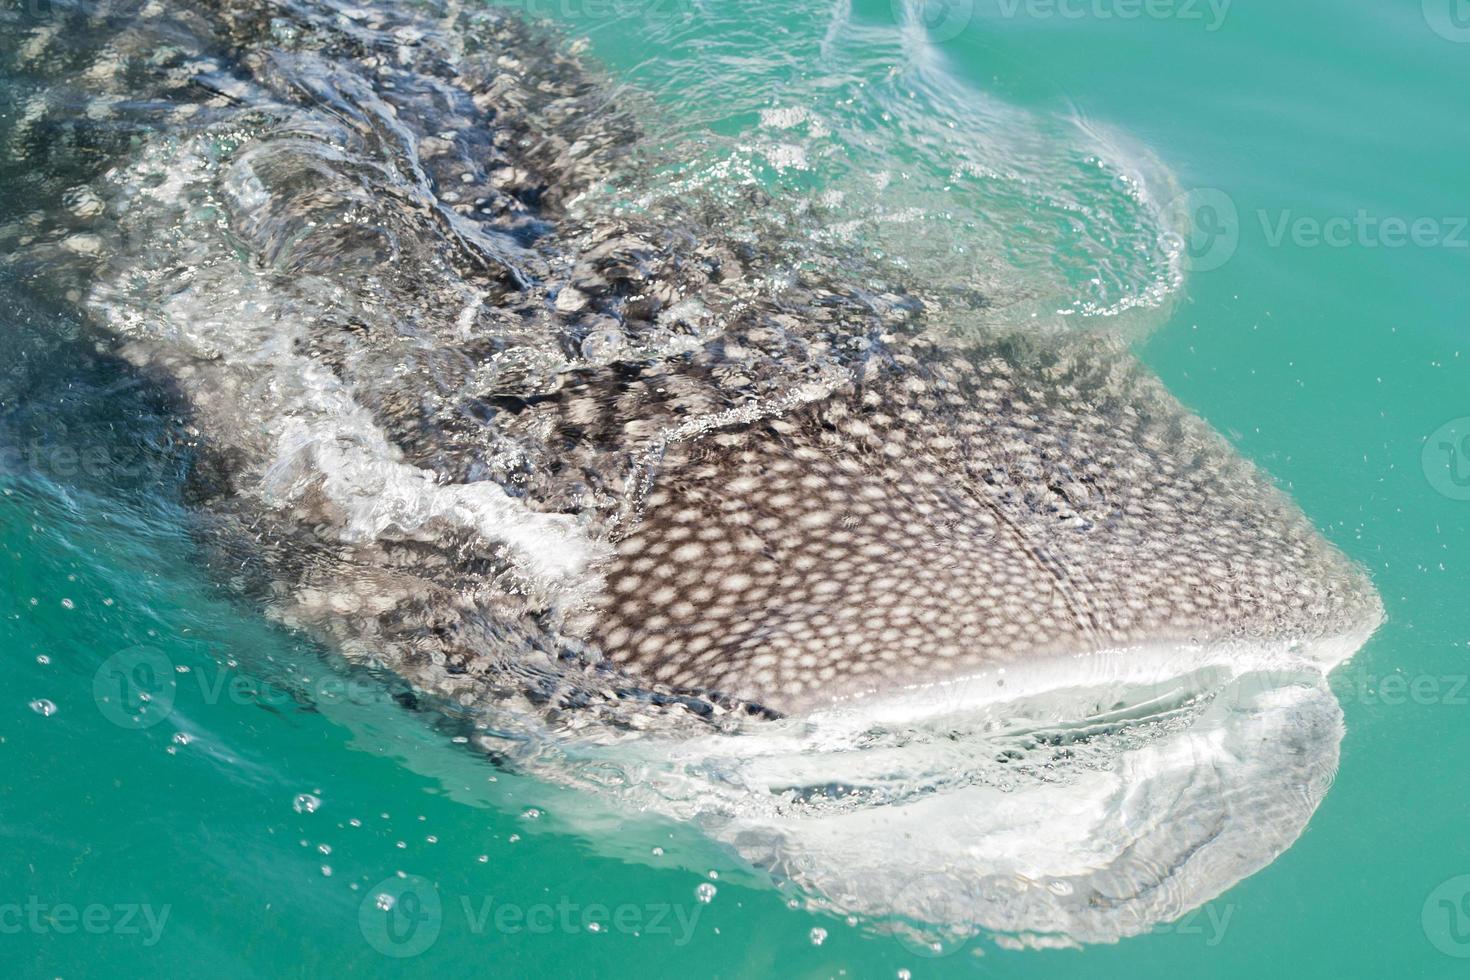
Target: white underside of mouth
x=1082 y=800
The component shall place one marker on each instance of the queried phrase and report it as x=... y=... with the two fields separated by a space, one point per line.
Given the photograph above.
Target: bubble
x=705 y=892
x=305 y=803
x=44 y=707
x=603 y=344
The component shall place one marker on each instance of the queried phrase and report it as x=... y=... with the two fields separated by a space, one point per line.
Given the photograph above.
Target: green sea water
x=1320 y=150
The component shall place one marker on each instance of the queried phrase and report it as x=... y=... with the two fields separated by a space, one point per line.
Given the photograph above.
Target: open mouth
x=1078 y=800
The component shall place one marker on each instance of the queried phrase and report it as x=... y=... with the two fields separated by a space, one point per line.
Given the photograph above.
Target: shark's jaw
x=1071 y=800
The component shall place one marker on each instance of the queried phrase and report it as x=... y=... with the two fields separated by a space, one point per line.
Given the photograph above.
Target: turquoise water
x=1331 y=353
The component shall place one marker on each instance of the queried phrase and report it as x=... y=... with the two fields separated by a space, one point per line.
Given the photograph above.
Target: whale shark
x=652 y=484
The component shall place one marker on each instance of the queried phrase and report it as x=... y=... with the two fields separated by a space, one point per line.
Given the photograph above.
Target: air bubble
x=602 y=345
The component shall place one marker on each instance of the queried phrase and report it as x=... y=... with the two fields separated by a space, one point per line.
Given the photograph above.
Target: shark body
x=655 y=466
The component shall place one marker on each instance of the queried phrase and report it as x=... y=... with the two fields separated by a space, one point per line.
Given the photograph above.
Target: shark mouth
x=948 y=621
x=1082 y=799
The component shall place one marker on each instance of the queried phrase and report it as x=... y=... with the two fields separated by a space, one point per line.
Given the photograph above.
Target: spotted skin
x=990 y=505
x=308 y=213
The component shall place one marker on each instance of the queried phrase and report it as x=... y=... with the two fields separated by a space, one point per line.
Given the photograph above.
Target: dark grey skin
x=784 y=489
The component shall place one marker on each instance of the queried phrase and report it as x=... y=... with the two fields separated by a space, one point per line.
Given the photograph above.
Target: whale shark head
x=956 y=510
x=1022 y=644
